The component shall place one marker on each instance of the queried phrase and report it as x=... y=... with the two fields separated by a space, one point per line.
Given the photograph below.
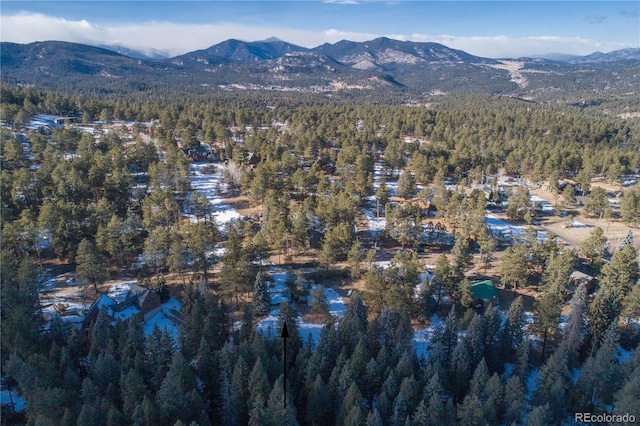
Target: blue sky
x=486 y=28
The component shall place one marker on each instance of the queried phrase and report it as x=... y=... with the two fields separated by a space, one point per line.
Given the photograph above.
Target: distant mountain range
x=381 y=65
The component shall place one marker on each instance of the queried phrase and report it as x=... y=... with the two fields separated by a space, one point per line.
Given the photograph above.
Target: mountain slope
x=616 y=55
x=242 y=51
x=136 y=54
x=384 y=51
x=386 y=67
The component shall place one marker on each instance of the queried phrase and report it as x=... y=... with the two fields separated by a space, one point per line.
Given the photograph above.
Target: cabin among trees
x=125 y=301
x=484 y=293
x=200 y=153
x=576 y=279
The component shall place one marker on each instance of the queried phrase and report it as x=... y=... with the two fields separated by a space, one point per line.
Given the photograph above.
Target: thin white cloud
x=514 y=47
x=169 y=38
x=175 y=39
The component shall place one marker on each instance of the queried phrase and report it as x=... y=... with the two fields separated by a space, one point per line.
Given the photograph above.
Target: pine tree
x=358 y=361
x=406 y=187
x=487 y=244
x=137 y=418
x=355 y=258
x=523 y=360
x=460 y=370
x=465 y=297
x=514 y=327
x=258 y=415
x=421 y=416
x=170 y=398
x=479 y=380
x=514 y=269
x=480 y=334
x=319 y=305
x=471 y=412
x=631 y=303
x=552 y=377
x=494 y=399
x=627 y=399
x=443 y=276
x=450 y=334
x=277 y=414
x=599 y=374
x=352 y=399
x=627 y=241
x=240 y=390
x=258 y=383
x=228 y=407
x=573 y=330
x=382 y=197
x=289 y=315
x=261 y=296
x=89 y=265
x=150 y=411
x=593 y=248
x=133 y=391
x=549 y=309
x=318 y=409
x=514 y=400
x=400 y=411
x=462 y=257
x=355 y=417
x=539 y=416
x=373 y=418
x=603 y=311
x=353 y=325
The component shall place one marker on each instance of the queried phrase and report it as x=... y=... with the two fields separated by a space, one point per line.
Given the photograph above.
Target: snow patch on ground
x=507 y=231
x=575 y=375
x=422 y=337
x=337 y=307
x=623 y=355
x=544 y=204
x=531 y=383
x=576 y=224
x=269 y=325
x=212 y=186
x=376 y=224
x=8 y=397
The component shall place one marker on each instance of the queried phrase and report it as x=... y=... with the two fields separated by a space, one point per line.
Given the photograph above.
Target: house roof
x=580 y=276
x=484 y=290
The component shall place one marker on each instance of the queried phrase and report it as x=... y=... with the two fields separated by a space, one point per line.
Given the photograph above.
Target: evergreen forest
x=413 y=345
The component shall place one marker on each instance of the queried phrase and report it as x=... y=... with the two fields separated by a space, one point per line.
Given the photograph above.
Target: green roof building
x=484 y=290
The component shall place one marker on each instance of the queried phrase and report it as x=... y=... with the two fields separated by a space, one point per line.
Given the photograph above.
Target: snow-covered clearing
x=379 y=176
x=515 y=71
x=269 y=325
x=376 y=224
x=212 y=186
x=507 y=231
x=545 y=206
x=422 y=337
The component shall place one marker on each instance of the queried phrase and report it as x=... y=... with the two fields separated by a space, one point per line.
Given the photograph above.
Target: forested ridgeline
x=98 y=200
